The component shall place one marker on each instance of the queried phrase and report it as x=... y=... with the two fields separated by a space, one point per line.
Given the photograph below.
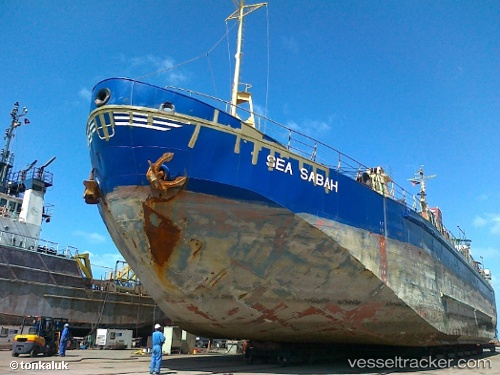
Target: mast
x=420 y=180
x=239 y=14
x=6 y=158
x=423 y=194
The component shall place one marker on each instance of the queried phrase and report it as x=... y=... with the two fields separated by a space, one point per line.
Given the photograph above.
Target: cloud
x=176 y=78
x=491 y=221
x=85 y=94
x=479 y=222
x=93 y=238
x=153 y=61
x=489 y=253
x=155 y=66
x=103 y=264
x=293 y=125
x=258 y=109
x=312 y=127
x=482 y=197
x=318 y=126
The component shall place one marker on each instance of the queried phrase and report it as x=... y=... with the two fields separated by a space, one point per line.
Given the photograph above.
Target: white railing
x=319 y=152
x=36 y=245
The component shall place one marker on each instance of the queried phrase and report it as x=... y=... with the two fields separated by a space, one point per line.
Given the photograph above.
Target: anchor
x=92 y=193
x=158 y=178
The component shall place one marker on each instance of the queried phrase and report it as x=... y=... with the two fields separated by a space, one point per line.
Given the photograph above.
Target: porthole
x=167 y=107
x=102 y=97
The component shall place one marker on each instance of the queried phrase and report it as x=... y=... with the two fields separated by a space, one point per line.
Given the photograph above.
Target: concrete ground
x=104 y=362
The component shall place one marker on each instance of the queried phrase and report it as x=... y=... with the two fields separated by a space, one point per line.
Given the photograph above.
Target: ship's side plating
x=36 y=283
x=260 y=242
x=36 y=278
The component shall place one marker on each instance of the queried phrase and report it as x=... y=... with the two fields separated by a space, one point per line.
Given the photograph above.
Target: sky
x=392 y=83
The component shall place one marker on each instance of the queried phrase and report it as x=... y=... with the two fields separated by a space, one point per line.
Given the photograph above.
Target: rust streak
x=332 y=308
x=162 y=233
x=311 y=311
x=218 y=277
x=196 y=245
x=233 y=311
x=197 y=311
x=314 y=311
x=242 y=295
x=269 y=315
x=365 y=313
x=383 y=259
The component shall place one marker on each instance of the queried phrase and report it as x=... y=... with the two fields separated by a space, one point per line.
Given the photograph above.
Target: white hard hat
x=157 y=326
x=66 y=325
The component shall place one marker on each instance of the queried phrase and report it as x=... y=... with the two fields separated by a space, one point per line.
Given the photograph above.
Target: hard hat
x=66 y=325
x=157 y=326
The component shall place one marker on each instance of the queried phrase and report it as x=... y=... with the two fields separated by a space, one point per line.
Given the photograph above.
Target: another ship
x=37 y=277
x=242 y=228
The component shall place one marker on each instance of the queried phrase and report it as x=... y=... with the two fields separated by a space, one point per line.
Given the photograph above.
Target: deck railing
x=36 y=245
x=311 y=149
x=319 y=152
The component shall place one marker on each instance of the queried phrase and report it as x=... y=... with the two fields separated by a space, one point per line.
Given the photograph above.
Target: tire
x=15 y=354
x=34 y=352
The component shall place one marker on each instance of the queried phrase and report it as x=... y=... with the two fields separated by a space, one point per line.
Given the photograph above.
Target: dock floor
x=123 y=362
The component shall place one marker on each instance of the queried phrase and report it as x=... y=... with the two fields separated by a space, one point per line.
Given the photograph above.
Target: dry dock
x=103 y=362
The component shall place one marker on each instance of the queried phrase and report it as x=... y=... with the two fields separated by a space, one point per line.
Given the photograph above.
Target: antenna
x=419 y=179
x=48 y=162
x=30 y=166
x=42 y=168
x=6 y=158
x=463 y=238
x=25 y=171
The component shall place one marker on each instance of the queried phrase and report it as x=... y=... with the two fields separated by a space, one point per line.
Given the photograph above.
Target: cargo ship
x=240 y=227
x=40 y=278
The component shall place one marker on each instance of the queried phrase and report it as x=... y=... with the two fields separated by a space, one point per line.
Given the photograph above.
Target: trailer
x=288 y=353
x=114 y=338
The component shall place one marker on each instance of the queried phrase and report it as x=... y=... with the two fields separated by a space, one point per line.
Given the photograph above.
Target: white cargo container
x=114 y=338
x=7 y=334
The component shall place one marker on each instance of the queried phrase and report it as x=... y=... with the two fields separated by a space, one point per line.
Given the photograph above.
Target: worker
x=64 y=340
x=38 y=328
x=157 y=341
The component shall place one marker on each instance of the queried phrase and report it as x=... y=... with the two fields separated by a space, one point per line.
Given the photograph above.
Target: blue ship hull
x=242 y=236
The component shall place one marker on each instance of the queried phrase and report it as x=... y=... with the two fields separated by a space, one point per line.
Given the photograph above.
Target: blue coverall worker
x=157 y=341
x=64 y=340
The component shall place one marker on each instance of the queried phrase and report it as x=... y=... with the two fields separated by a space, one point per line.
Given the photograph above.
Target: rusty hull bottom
x=222 y=268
